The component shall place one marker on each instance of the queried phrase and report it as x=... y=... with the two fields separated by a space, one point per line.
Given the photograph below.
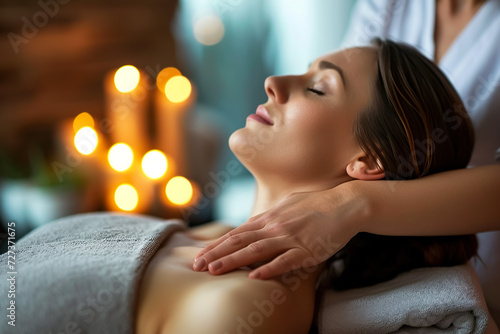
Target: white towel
x=80 y=274
x=425 y=300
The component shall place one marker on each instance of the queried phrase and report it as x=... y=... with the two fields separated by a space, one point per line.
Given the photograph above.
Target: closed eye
x=315 y=91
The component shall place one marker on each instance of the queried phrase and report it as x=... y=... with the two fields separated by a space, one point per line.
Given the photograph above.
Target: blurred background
x=127 y=106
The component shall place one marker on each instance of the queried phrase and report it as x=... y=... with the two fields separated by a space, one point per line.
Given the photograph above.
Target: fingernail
x=199 y=264
x=215 y=265
x=254 y=274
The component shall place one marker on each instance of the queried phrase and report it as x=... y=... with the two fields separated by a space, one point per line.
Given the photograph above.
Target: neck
x=457 y=6
x=270 y=193
x=265 y=198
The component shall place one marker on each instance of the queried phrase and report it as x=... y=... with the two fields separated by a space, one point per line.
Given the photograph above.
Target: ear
x=363 y=167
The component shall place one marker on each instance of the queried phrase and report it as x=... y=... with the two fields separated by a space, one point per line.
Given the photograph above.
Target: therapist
x=462 y=37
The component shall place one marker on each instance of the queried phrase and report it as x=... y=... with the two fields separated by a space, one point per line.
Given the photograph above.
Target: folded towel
x=80 y=274
x=425 y=300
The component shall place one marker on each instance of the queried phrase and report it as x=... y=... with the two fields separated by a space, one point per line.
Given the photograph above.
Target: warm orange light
x=86 y=140
x=82 y=120
x=154 y=164
x=209 y=30
x=120 y=157
x=127 y=78
x=179 y=190
x=164 y=76
x=126 y=197
x=178 y=89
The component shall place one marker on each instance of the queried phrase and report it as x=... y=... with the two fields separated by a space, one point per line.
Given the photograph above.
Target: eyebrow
x=328 y=65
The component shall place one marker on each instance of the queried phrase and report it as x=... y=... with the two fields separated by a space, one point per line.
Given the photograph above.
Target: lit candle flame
x=86 y=140
x=178 y=89
x=179 y=190
x=154 y=164
x=127 y=78
x=164 y=76
x=120 y=157
x=126 y=197
x=82 y=120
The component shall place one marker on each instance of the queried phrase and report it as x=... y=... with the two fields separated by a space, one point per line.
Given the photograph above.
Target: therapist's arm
x=307 y=228
x=455 y=202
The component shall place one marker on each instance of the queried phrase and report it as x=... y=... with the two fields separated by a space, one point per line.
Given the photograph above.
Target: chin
x=254 y=155
x=241 y=146
x=235 y=140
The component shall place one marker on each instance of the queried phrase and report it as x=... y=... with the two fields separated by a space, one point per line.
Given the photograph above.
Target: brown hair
x=416 y=125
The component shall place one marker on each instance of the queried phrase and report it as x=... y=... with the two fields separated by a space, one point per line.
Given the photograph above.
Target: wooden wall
x=53 y=58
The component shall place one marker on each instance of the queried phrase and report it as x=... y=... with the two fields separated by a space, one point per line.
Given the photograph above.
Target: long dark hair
x=416 y=125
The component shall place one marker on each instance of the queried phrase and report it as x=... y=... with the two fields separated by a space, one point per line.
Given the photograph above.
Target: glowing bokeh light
x=164 y=76
x=154 y=164
x=126 y=197
x=120 y=157
x=179 y=190
x=209 y=30
x=127 y=78
x=178 y=89
x=82 y=120
x=86 y=140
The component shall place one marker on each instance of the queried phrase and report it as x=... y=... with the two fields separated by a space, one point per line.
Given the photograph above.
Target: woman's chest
x=169 y=280
x=449 y=23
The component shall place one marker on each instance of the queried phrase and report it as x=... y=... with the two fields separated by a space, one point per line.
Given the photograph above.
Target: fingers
x=257 y=251
x=288 y=261
x=251 y=225
x=231 y=244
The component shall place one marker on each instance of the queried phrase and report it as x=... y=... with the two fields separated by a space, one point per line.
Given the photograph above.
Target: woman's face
x=308 y=136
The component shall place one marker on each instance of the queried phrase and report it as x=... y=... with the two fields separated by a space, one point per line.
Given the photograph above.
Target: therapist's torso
x=472 y=63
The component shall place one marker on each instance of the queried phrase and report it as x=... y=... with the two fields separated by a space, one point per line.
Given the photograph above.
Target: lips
x=261 y=115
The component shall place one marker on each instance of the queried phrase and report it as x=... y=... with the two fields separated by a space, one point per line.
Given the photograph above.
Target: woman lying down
x=380 y=112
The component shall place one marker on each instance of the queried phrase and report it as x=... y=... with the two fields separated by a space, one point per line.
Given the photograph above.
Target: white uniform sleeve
x=369 y=19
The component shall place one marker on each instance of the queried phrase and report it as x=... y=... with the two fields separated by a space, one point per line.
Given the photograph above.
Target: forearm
x=321 y=223
x=456 y=202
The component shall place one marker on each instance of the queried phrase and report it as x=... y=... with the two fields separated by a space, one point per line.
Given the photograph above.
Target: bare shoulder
x=237 y=304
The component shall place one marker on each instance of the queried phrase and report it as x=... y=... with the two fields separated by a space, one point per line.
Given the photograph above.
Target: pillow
x=424 y=300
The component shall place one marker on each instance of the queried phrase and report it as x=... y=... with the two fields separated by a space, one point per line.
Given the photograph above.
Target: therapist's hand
x=302 y=230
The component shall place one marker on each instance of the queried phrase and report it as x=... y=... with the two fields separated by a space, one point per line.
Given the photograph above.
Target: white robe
x=472 y=63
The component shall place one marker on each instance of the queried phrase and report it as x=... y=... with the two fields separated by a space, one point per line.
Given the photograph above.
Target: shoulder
x=385 y=19
x=368 y=20
x=244 y=305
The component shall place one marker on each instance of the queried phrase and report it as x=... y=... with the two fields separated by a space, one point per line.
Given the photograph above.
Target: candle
x=171 y=108
x=70 y=164
x=126 y=107
x=80 y=147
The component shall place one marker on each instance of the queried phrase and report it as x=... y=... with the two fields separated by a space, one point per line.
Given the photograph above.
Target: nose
x=277 y=88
